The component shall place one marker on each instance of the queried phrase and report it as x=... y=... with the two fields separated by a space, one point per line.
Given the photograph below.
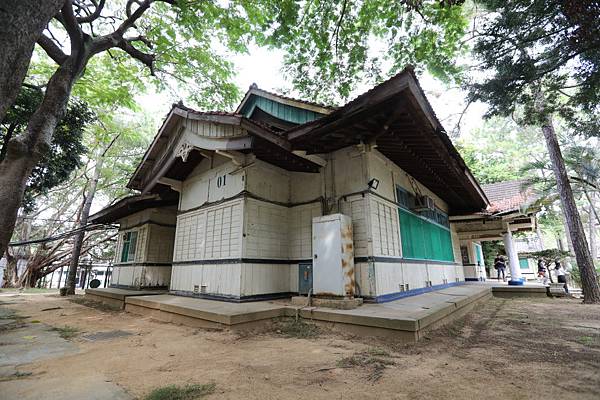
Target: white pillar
x=513 y=259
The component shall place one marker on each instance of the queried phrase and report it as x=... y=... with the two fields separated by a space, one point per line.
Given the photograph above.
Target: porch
x=407 y=319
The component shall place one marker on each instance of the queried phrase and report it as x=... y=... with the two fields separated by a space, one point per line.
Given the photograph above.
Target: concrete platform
x=115 y=297
x=407 y=319
x=527 y=290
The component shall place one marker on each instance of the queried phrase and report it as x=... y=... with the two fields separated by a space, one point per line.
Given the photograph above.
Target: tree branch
x=70 y=23
x=53 y=51
x=144 y=58
x=93 y=16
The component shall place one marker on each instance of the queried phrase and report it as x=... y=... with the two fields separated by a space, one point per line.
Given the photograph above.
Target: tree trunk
x=24 y=150
x=21 y=25
x=85 y=213
x=589 y=280
x=592 y=234
x=11 y=275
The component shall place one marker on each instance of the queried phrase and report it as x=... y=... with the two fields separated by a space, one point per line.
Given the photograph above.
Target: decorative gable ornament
x=183 y=151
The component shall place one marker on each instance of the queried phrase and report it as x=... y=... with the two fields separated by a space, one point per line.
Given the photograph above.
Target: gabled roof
x=396 y=117
x=509 y=196
x=132 y=204
x=308 y=105
x=160 y=159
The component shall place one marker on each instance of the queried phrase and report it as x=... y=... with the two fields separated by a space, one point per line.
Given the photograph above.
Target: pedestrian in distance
x=542 y=276
x=561 y=275
x=500 y=266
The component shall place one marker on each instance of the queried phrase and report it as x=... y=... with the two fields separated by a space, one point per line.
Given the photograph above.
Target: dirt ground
x=505 y=349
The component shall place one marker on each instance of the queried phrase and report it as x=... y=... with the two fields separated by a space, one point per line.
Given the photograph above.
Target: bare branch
x=53 y=51
x=93 y=16
x=69 y=21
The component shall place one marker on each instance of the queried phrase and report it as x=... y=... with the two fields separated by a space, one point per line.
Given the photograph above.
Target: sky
x=263 y=67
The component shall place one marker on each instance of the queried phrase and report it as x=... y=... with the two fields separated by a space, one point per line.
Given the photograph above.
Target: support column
x=513 y=259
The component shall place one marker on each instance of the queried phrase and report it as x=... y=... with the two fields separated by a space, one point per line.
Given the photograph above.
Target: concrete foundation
x=404 y=320
x=508 y=292
x=115 y=297
x=340 y=304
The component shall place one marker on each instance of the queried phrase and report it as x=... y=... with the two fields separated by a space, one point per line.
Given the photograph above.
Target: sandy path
x=506 y=349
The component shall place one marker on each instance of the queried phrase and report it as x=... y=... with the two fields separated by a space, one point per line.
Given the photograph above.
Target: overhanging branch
x=53 y=51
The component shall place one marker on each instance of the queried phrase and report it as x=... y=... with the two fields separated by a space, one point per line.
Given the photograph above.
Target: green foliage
x=500 y=149
x=65 y=151
x=330 y=46
x=528 y=46
x=490 y=250
x=175 y=392
x=548 y=255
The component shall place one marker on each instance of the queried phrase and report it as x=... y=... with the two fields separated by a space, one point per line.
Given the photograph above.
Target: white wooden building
x=228 y=201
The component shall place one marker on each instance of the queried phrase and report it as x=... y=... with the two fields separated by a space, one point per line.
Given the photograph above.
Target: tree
x=65 y=151
x=21 y=25
x=544 y=57
x=48 y=234
x=499 y=149
x=184 y=42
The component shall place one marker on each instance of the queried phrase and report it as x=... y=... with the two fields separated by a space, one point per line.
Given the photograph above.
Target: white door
x=327 y=270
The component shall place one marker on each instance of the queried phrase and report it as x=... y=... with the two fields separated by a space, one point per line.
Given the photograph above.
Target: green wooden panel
x=424 y=240
x=523 y=263
x=125 y=251
x=282 y=111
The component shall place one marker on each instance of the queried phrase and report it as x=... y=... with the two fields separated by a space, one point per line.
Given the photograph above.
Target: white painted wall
x=211 y=181
x=154 y=245
x=219 y=279
x=210 y=233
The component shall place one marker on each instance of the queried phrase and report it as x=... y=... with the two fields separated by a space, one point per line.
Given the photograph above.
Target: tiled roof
x=508 y=196
x=188 y=109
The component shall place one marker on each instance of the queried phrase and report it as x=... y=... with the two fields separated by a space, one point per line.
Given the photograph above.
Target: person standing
x=561 y=275
x=542 y=272
x=500 y=266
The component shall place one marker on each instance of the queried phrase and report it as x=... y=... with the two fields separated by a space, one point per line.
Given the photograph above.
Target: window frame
x=129 y=243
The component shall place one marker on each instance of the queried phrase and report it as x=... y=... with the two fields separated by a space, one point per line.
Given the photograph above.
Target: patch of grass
x=297 y=329
x=28 y=290
x=16 y=375
x=586 y=340
x=92 y=304
x=66 y=332
x=175 y=392
x=14 y=316
x=373 y=360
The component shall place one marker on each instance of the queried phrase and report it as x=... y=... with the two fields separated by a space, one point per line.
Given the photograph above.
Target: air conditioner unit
x=424 y=203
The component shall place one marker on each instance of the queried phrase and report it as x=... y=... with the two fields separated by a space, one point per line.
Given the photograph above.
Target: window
x=408 y=201
x=423 y=239
x=129 y=245
x=404 y=198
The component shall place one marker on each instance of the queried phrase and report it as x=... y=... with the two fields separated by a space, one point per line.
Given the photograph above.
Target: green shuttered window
x=424 y=240
x=129 y=245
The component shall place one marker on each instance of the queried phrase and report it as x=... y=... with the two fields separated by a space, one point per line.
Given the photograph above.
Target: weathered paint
x=333 y=260
x=156 y=234
x=282 y=111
